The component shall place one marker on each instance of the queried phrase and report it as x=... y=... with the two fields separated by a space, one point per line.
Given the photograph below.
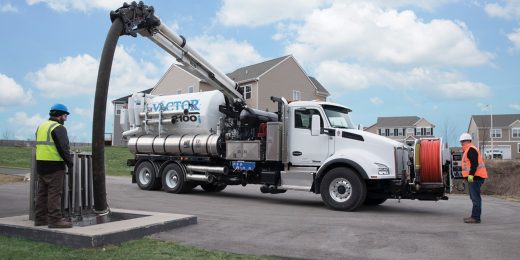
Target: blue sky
x=443 y=60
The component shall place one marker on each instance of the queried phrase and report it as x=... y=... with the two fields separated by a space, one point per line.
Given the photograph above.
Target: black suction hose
x=98 y=126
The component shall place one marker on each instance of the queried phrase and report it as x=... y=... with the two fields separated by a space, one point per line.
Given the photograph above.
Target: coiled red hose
x=430 y=157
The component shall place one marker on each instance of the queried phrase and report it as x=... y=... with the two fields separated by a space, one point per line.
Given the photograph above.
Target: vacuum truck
x=213 y=139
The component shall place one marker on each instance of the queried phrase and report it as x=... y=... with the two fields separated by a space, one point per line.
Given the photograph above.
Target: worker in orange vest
x=474 y=170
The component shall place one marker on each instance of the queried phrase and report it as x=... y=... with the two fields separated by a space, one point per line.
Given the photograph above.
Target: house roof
x=319 y=87
x=397 y=121
x=255 y=70
x=498 y=120
x=125 y=98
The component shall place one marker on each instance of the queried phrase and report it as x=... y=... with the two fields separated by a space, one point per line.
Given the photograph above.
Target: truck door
x=305 y=149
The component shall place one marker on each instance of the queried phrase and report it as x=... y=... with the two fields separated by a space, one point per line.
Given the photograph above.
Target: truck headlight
x=382 y=169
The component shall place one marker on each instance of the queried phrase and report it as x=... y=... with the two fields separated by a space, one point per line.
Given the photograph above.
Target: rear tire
x=343 y=189
x=211 y=187
x=146 y=176
x=174 y=179
x=374 y=201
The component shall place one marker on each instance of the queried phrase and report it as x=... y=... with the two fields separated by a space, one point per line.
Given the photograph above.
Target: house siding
x=507 y=145
x=175 y=79
x=281 y=80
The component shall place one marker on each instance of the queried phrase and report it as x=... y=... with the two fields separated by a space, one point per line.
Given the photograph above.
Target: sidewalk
x=15 y=171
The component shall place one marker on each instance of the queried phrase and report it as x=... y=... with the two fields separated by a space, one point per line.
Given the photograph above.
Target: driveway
x=297 y=224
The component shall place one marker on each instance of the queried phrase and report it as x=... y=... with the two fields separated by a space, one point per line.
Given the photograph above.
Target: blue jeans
x=474 y=194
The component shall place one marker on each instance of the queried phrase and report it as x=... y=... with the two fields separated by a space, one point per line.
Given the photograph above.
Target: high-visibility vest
x=466 y=164
x=45 y=147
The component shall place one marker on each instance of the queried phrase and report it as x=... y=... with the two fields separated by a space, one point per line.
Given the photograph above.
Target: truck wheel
x=174 y=180
x=146 y=176
x=374 y=201
x=211 y=187
x=343 y=189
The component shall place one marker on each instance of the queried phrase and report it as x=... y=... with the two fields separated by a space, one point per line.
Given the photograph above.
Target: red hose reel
x=428 y=161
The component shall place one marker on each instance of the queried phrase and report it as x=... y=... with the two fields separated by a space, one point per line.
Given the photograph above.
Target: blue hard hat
x=60 y=107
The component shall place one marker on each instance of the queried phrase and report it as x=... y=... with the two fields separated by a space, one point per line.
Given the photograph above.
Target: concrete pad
x=133 y=225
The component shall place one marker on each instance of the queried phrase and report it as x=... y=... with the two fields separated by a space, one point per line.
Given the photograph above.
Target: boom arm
x=140 y=18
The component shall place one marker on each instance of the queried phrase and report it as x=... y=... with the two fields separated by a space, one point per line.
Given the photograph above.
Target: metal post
x=34 y=185
x=492 y=132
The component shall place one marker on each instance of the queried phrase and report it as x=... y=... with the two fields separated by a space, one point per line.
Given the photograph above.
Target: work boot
x=62 y=223
x=471 y=220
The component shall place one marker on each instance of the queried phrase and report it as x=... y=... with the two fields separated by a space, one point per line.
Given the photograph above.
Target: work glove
x=470 y=178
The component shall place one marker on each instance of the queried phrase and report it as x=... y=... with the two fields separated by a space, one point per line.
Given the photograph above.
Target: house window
x=387 y=132
x=179 y=91
x=409 y=131
x=190 y=89
x=428 y=131
x=381 y=131
x=118 y=109
x=246 y=90
x=515 y=132
x=496 y=133
x=296 y=95
x=400 y=131
x=418 y=131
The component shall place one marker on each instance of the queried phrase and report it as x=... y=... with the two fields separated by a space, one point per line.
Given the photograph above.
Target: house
x=405 y=129
x=282 y=76
x=500 y=139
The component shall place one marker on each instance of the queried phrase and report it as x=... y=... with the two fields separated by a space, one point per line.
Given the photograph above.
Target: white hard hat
x=464 y=137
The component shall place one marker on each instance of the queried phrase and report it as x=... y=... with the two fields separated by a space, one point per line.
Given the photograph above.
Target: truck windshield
x=338 y=116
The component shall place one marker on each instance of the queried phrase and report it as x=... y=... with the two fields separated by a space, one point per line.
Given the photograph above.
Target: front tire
x=146 y=176
x=174 y=179
x=343 y=189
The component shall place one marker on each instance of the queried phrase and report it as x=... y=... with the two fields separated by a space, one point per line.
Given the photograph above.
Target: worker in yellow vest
x=474 y=170
x=52 y=155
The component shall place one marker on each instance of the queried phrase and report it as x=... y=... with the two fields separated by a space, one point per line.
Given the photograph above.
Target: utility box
x=243 y=150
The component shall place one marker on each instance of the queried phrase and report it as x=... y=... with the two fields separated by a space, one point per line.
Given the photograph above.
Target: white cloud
x=82 y=112
x=515 y=106
x=225 y=54
x=75 y=76
x=510 y=9
x=262 y=12
x=362 y=31
x=79 y=5
x=343 y=77
x=72 y=76
x=464 y=90
x=25 y=125
x=514 y=37
x=423 y=4
x=376 y=101
x=12 y=92
x=8 y=8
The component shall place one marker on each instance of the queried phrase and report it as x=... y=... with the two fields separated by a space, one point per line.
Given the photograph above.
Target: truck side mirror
x=315 y=125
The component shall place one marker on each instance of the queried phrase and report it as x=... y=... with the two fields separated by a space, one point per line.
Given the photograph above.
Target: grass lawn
x=115 y=158
x=17 y=248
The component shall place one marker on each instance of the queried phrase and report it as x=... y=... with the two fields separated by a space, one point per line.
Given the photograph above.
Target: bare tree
x=7 y=134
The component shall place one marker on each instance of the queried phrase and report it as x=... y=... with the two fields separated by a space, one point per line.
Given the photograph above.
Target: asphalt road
x=298 y=225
